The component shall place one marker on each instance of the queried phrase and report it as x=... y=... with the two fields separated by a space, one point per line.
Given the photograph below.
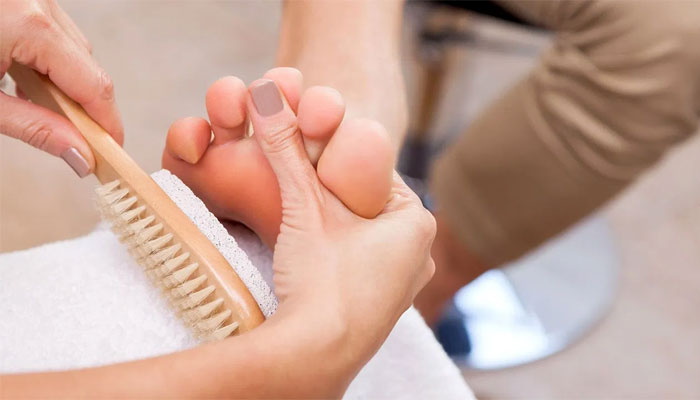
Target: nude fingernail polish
x=266 y=98
x=75 y=160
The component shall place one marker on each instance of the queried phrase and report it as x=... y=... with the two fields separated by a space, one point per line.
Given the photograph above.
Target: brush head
x=167 y=263
x=177 y=255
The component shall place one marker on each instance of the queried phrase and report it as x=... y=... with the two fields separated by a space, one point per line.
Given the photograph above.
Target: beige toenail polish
x=76 y=161
x=266 y=98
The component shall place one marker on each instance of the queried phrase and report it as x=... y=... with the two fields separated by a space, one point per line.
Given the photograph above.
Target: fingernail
x=76 y=161
x=266 y=98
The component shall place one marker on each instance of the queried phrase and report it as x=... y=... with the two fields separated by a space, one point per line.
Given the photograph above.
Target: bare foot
x=231 y=175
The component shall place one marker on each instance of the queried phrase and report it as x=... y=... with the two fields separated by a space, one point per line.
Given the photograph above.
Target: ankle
x=352 y=47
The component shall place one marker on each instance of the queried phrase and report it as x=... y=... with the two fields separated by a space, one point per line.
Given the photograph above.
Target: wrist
x=316 y=340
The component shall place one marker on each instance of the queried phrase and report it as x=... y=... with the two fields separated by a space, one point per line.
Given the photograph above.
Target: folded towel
x=85 y=302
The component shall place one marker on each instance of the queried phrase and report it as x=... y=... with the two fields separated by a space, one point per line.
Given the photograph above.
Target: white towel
x=85 y=302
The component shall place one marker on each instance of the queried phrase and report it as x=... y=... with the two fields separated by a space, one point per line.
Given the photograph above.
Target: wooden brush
x=198 y=280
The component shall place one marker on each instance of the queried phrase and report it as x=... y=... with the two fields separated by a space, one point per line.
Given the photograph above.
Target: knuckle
x=426 y=225
x=430 y=269
x=37 y=20
x=37 y=134
x=106 y=86
x=279 y=139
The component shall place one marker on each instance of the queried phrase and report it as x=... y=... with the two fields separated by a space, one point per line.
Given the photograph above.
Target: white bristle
x=138 y=226
x=156 y=244
x=202 y=311
x=170 y=265
x=195 y=298
x=153 y=247
x=161 y=256
x=129 y=215
x=125 y=231
x=120 y=222
x=179 y=276
x=138 y=252
x=189 y=286
x=161 y=274
x=147 y=234
x=139 y=241
x=213 y=322
x=123 y=205
x=142 y=250
x=115 y=196
x=107 y=188
x=223 y=332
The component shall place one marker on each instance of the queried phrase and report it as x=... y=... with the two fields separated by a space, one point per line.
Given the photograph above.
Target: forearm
x=282 y=358
x=352 y=46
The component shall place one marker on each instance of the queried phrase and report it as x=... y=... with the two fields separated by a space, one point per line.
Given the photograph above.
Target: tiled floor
x=163 y=55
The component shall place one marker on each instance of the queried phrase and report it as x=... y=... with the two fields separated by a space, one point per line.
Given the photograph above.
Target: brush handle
x=112 y=162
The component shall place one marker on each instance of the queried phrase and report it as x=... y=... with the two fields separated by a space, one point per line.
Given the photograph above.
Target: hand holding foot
x=348 y=276
x=231 y=175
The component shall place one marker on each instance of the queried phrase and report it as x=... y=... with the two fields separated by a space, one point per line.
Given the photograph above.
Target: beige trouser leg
x=619 y=87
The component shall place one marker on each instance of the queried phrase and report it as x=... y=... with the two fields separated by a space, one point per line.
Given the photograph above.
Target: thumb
x=47 y=131
x=276 y=130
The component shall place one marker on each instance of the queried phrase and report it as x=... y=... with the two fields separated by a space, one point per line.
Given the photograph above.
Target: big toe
x=357 y=166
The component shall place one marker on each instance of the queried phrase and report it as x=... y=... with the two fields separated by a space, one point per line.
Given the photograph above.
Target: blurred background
x=163 y=55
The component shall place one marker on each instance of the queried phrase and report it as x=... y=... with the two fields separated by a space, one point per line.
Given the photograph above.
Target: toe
x=321 y=109
x=188 y=139
x=357 y=166
x=290 y=82
x=225 y=102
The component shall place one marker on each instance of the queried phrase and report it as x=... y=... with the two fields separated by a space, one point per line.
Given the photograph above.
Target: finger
x=290 y=81
x=46 y=131
x=69 y=26
x=275 y=129
x=50 y=51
